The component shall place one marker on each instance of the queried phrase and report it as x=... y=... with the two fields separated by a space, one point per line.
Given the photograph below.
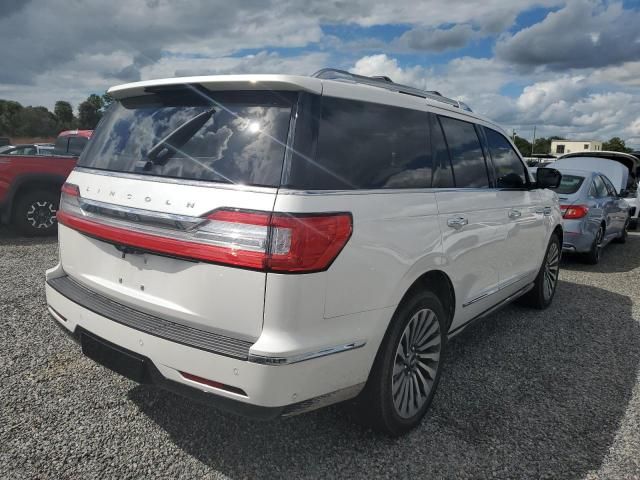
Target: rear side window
x=364 y=145
x=76 y=145
x=190 y=133
x=469 y=167
x=61 y=146
x=510 y=171
x=599 y=189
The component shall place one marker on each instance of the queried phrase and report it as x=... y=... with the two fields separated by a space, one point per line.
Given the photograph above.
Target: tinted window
x=510 y=171
x=366 y=146
x=76 y=145
x=569 y=184
x=61 y=146
x=469 y=168
x=610 y=188
x=599 y=188
x=442 y=171
x=230 y=137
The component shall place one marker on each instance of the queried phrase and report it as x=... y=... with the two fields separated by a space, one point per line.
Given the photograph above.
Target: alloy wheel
x=551 y=270
x=41 y=214
x=416 y=363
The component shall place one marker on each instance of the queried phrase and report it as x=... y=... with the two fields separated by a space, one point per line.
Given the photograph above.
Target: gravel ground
x=525 y=394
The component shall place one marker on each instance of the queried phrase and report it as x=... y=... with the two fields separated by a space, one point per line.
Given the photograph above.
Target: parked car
x=71 y=142
x=6 y=148
x=29 y=149
x=593 y=211
x=272 y=243
x=30 y=187
x=632 y=164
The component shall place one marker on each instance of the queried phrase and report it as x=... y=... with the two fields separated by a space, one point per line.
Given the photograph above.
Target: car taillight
x=572 y=212
x=275 y=242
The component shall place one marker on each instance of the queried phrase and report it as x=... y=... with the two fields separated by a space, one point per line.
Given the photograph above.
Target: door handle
x=515 y=214
x=457 y=222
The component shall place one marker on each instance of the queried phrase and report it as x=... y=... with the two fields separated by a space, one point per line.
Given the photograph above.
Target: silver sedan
x=593 y=211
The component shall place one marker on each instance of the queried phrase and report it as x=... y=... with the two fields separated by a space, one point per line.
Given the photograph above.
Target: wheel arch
x=26 y=183
x=438 y=282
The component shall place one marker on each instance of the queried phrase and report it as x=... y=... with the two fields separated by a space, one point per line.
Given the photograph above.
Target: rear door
x=471 y=216
x=166 y=211
x=615 y=206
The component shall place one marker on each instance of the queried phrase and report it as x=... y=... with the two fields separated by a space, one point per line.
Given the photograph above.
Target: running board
x=496 y=307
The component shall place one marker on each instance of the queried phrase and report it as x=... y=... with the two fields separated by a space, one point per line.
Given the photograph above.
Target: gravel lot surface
x=525 y=394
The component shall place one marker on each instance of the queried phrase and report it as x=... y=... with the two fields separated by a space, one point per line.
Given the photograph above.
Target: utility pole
x=533 y=142
x=513 y=136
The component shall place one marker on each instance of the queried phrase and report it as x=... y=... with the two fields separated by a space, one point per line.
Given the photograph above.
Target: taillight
x=275 y=242
x=572 y=212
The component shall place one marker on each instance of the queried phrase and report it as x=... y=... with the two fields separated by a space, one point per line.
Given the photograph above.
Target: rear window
x=76 y=145
x=61 y=146
x=569 y=184
x=363 y=145
x=191 y=133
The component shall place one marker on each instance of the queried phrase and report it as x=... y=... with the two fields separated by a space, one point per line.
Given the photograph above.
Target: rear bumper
x=576 y=237
x=268 y=390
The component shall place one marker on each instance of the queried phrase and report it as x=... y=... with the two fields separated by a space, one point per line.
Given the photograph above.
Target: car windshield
x=569 y=184
x=231 y=137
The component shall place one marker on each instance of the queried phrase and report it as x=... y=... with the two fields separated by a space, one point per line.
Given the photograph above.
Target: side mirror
x=548 y=178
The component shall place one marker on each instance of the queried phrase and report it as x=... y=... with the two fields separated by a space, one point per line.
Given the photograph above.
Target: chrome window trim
x=301 y=357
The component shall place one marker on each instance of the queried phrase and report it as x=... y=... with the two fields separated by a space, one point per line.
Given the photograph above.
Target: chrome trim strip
x=120 y=213
x=490 y=310
x=385 y=191
x=150 y=324
x=302 y=357
x=495 y=290
x=175 y=181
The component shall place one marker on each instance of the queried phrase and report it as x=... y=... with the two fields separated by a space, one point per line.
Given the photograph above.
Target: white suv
x=277 y=243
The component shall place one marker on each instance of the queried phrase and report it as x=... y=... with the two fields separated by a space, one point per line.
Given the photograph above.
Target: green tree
x=615 y=144
x=106 y=101
x=35 y=122
x=90 y=112
x=64 y=114
x=8 y=113
x=523 y=145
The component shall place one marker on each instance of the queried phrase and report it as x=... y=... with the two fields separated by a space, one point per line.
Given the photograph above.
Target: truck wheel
x=544 y=287
x=34 y=212
x=407 y=368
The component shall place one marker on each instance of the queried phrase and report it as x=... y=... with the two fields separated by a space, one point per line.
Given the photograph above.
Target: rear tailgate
x=203 y=295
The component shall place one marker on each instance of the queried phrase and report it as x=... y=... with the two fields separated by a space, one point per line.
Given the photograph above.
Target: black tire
x=376 y=405
x=633 y=224
x=34 y=212
x=544 y=287
x=592 y=257
x=623 y=236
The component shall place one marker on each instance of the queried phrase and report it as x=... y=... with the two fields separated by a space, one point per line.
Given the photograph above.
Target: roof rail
x=388 y=84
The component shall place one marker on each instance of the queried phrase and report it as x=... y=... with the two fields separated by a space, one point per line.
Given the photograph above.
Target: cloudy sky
x=571 y=68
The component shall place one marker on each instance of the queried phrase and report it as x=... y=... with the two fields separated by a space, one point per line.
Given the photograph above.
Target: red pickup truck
x=30 y=184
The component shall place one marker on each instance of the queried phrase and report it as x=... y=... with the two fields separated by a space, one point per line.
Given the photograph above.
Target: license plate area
x=117 y=359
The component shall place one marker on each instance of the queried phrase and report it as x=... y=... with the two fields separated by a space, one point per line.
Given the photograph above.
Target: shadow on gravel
x=9 y=237
x=616 y=257
x=525 y=394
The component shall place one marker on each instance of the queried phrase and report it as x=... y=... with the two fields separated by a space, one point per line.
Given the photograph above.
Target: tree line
x=20 y=121
x=543 y=145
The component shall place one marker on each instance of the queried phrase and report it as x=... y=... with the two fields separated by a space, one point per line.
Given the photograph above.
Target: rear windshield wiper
x=162 y=151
